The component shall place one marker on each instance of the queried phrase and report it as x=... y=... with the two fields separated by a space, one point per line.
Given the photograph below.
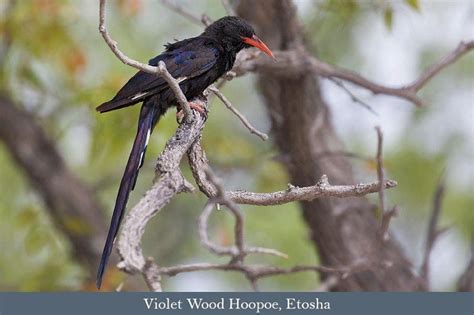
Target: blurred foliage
x=331 y=19
x=55 y=64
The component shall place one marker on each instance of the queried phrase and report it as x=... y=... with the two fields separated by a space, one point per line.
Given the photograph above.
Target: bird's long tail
x=149 y=115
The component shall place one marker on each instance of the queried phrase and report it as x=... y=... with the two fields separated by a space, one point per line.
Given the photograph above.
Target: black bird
x=196 y=63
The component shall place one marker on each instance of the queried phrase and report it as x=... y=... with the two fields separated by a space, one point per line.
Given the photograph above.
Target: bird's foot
x=193 y=105
x=200 y=108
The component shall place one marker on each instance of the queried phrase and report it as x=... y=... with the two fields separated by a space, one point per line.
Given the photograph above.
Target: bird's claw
x=200 y=108
x=196 y=106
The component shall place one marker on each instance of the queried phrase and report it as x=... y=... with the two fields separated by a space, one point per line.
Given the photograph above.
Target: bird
x=195 y=63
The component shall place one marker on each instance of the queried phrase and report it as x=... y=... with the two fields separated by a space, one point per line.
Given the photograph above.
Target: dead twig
x=386 y=215
x=433 y=231
x=198 y=162
x=297 y=62
x=354 y=98
x=228 y=7
x=203 y=19
x=241 y=117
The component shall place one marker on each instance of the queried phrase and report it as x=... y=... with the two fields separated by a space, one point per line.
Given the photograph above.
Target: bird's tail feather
x=116 y=104
x=148 y=119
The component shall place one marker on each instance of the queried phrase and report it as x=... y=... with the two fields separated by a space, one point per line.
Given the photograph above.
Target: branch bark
x=296 y=62
x=433 y=231
x=199 y=163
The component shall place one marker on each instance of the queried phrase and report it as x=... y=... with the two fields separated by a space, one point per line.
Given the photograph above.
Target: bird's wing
x=184 y=63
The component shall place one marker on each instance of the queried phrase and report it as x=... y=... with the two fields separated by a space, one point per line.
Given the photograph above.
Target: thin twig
x=380 y=169
x=242 y=118
x=203 y=19
x=387 y=215
x=198 y=162
x=296 y=62
x=228 y=8
x=462 y=48
x=227 y=251
x=348 y=154
x=433 y=232
x=354 y=98
x=239 y=219
x=262 y=271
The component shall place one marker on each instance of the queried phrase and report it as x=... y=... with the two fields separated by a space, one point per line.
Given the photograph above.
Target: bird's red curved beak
x=257 y=42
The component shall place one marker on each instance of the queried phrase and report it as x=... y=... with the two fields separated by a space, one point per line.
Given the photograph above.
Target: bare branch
x=256 y=272
x=386 y=215
x=343 y=153
x=319 y=190
x=220 y=198
x=244 y=120
x=198 y=163
x=158 y=71
x=428 y=74
x=433 y=231
x=210 y=186
x=151 y=273
x=386 y=218
x=203 y=19
x=228 y=8
x=354 y=98
x=239 y=251
x=216 y=249
x=380 y=170
x=297 y=62
x=229 y=251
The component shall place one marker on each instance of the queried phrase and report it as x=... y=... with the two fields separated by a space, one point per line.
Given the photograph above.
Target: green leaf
x=388 y=18
x=414 y=4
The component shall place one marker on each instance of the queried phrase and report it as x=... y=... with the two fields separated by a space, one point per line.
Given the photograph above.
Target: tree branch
x=242 y=118
x=239 y=251
x=354 y=98
x=433 y=232
x=203 y=19
x=387 y=215
x=296 y=62
x=433 y=70
x=198 y=163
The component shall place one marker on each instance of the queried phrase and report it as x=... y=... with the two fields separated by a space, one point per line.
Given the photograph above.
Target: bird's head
x=236 y=34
